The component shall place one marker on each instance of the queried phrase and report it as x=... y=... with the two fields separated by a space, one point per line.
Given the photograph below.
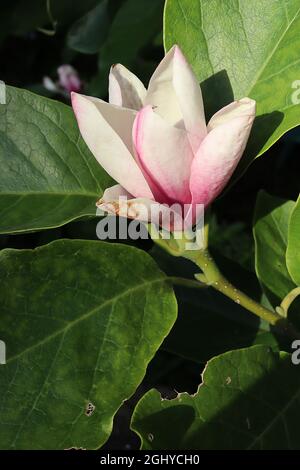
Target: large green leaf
x=48 y=176
x=293 y=248
x=271 y=221
x=133 y=27
x=242 y=48
x=81 y=321
x=249 y=399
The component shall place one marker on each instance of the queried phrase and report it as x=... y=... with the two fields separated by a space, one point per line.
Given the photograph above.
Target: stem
x=289 y=298
x=214 y=278
x=182 y=281
x=206 y=227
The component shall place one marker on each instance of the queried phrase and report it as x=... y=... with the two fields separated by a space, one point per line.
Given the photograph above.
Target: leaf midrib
x=280 y=413
x=49 y=193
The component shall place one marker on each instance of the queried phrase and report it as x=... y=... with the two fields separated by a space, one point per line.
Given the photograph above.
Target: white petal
x=176 y=94
x=145 y=210
x=107 y=130
x=240 y=108
x=125 y=88
x=113 y=193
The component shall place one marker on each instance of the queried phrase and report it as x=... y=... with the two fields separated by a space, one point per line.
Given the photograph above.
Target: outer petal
x=113 y=193
x=125 y=89
x=106 y=130
x=221 y=150
x=176 y=93
x=145 y=210
x=239 y=109
x=165 y=156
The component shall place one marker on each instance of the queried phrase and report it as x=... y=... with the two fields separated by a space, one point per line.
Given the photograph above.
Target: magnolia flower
x=68 y=81
x=68 y=78
x=156 y=144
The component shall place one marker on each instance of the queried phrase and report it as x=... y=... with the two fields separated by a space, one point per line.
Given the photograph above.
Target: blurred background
x=52 y=47
x=38 y=36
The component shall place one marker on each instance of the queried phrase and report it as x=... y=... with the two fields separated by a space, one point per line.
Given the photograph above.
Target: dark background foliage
x=36 y=37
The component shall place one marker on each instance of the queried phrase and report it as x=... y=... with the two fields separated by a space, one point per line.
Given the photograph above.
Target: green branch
x=214 y=278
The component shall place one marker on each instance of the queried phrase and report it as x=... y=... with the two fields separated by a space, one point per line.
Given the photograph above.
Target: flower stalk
x=287 y=301
x=212 y=276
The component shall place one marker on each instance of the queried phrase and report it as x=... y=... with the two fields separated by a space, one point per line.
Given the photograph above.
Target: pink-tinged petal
x=176 y=94
x=125 y=89
x=237 y=109
x=221 y=150
x=145 y=210
x=164 y=155
x=107 y=130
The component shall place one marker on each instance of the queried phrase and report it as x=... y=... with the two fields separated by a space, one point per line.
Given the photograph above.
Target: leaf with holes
x=81 y=320
x=48 y=176
x=241 y=48
x=249 y=399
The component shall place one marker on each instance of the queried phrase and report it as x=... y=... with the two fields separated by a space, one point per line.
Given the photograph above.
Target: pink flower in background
x=68 y=81
x=68 y=78
x=156 y=144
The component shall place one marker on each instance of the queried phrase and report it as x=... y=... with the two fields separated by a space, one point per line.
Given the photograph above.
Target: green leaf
x=48 y=176
x=293 y=248
x=249 y=399
x=240 y=48
x=232 y=240
x=89 y=32
x=134 y=25
x=81 y=320
x=213 y=323
x=271 y=221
